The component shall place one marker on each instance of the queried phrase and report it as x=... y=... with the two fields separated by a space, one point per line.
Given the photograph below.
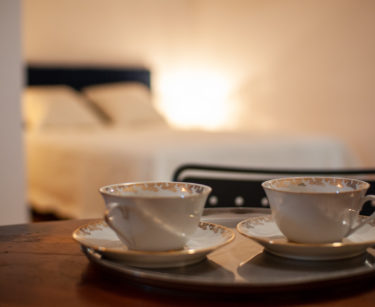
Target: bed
x=86 y=127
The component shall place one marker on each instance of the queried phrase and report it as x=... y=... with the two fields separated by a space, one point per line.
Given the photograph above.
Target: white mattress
x=66 y=168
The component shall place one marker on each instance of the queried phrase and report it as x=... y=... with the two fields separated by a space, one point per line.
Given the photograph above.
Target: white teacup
x=316 y=209
x=154 y=216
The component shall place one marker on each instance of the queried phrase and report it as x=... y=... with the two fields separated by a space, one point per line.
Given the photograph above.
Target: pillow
x=126 y=104
x=60 y=106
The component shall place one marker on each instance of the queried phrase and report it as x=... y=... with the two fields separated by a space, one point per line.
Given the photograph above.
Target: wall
x=302 y=66
x=12 y=185
x=290 y=66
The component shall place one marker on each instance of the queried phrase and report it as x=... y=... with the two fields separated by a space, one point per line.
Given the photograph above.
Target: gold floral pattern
x=258 y=220
x=213 y=227
x=87 y=229
x=134 y=188
x=100 y=238
x=281 y=183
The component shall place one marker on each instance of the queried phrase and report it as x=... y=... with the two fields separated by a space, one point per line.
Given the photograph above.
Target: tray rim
x=161 y=279
x=154 y=278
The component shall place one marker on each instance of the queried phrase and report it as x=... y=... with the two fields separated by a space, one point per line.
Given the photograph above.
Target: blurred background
x=292 y=67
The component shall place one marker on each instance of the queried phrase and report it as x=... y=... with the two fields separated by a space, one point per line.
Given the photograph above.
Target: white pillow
x=127 y=104
x=59 y=106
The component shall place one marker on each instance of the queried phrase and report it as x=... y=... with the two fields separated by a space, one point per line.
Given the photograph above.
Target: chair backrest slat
x=241 y=187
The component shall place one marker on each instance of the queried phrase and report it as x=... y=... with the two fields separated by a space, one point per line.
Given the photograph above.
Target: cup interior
x=156 y=189
x=315 y=185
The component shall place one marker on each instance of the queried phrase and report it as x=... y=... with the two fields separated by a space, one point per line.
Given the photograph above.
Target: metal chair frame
x=241 y=187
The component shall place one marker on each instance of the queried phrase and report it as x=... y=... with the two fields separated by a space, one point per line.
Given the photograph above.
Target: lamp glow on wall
x=196 y=99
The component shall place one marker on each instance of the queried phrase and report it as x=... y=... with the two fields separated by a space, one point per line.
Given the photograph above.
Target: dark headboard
x=79 y=77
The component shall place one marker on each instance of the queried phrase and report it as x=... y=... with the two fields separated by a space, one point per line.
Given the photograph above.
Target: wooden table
x=41 y=265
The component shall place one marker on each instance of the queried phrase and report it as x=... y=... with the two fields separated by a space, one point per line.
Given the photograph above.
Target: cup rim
x=267 y=185
x=206 y=189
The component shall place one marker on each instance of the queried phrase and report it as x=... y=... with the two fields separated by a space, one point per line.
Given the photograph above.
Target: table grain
x=41 y=265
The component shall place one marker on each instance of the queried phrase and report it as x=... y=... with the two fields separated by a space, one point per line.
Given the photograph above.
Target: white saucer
x=99 y=237
x=264 y=231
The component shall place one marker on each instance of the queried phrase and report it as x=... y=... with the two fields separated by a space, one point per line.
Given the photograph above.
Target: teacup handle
x=366 y=220
x=108 y=220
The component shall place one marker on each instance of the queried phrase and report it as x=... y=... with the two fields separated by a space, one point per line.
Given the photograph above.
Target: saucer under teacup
x=263 y=230
x=101 y=239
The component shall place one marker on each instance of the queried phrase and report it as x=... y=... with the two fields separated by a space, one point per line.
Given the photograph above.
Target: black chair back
x=241 y=187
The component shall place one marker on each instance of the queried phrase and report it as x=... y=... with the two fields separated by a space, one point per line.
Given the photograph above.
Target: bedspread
x=66 y=168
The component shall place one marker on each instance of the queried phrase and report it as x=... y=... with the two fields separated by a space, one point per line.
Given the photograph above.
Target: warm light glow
x=196 y=99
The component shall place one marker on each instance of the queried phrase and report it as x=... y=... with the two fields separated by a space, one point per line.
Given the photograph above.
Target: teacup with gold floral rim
x=317 y=209
x=154 y=216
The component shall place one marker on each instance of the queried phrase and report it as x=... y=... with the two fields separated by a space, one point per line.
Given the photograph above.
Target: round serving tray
x=243 y=266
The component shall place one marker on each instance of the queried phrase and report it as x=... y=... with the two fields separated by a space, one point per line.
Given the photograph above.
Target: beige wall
x=292 y=66
x=12 y=180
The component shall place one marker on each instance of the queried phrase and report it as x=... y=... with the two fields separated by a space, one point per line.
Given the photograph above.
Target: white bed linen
x=66 y=168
